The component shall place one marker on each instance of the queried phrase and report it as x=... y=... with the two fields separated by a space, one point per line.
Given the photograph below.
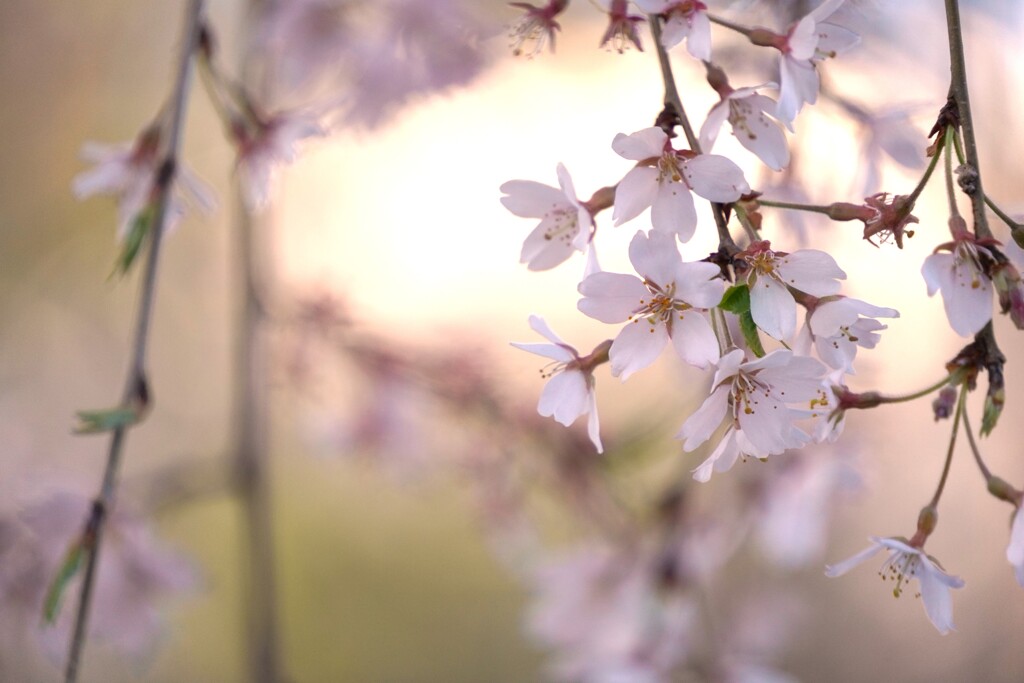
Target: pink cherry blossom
x=749 y=115
x=622 y=25
x=136 y=574
x=684 y=20
x=536 y=28
x=565 y=225
x=838 y=326
x=664 y=179
x=756 y=397
x=608 y=616
x=771 y=275
x=667 y=302
x=808 y=42
x=569 y=392
x=128 y=173
x=265 y=146
x=906 y=562
x=960 y=277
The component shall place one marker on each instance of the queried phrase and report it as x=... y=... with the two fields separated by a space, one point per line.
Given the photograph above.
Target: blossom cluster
x=768 y=322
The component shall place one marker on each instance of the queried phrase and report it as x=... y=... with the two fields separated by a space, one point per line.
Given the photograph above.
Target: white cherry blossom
x=565 y=223
x=128 y=173
x=684 y=20
x=749 y=114
x=664 y=179
x=906 y=562
x=1015 y=551
x=808 y=42
x=966 y=289
x=838 y=326
x=771 y=275
x=569 y=392
x=667 y=302
x=756 y=397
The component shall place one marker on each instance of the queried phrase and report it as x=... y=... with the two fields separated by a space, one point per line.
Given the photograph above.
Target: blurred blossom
x=607 y=617
x=128 y=173
x=536 y=28
x=134 y=575
x=684 y=20
x=267 y=146
x=894 y=135
x=622 y=26
x=794 y=508
x=373 y=58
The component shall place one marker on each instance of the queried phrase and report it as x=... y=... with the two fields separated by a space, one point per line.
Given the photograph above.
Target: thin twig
x=958 y=74
x=135 y=386
x=251 y=457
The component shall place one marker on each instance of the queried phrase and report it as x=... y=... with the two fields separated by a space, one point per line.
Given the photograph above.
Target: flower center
x=566 y=224
x=900 y=567
x=746 y=395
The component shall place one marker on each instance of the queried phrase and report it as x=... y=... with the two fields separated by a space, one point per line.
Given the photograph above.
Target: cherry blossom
x=621 y=29
x=906 y=562
x=537 y=27
x=667 y=302
x=565 y=225
x=684 y=20
x=960 y=277
x=265 y=145
x=756 y=397
x=136 y=573
x=569 y=392
x=808 y=42
x=609 y=616
x=749 y=115
x=128 y=173
x=1015 y=551
x=771 y=275
x=838 y=326
x=664 y=178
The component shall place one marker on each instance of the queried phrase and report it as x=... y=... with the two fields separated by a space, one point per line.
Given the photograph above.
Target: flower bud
x=943 y=404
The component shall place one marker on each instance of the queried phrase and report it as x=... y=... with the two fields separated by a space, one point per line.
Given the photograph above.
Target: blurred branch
x=136 y=390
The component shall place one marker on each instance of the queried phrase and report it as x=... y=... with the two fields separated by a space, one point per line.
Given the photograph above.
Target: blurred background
x=387 y=568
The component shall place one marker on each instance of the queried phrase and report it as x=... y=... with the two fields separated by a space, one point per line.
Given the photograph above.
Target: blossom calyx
x=927 y=520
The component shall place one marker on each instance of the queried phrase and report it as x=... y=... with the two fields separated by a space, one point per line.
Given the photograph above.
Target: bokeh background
x=387 y=578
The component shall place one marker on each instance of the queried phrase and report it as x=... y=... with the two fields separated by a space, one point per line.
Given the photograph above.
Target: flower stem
x=950 y=191
x=673 y=100
x=905 y=398
x=729 y=25
x=811 y=208
x=958 y=75
x=135 y=386
x=974 y=447
x=952 y=443
x=919 y=188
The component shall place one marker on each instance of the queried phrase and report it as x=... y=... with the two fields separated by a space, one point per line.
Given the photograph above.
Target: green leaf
x=72 y=563
x=134 y=240
x=749 y=329
x=736 y=300
x=96 y=421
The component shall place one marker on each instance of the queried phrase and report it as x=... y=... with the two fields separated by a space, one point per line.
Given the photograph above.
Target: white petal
x=593 y=424
x=611 y=297
x=553 y=351
x=635 y=192
x=773 y=308
x=811 y=271
x=761 y=135
x=694 y=340
x=1015 y=551
x=721 y=459
x=540 y=252
x=799 y=86
x=655 y=257
x=529 y=199
x=712 y=124
x=968 y=301
x=698 y=43
x=937 y=270
x=715 y=178
x=540 y=326
x=834 y=40
x=846 y=565
x=699 y=284
x=643 y=144
x=565 y=397
x=699 y=427
x=638 y=345
x=935 y=594
x=673 y=211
